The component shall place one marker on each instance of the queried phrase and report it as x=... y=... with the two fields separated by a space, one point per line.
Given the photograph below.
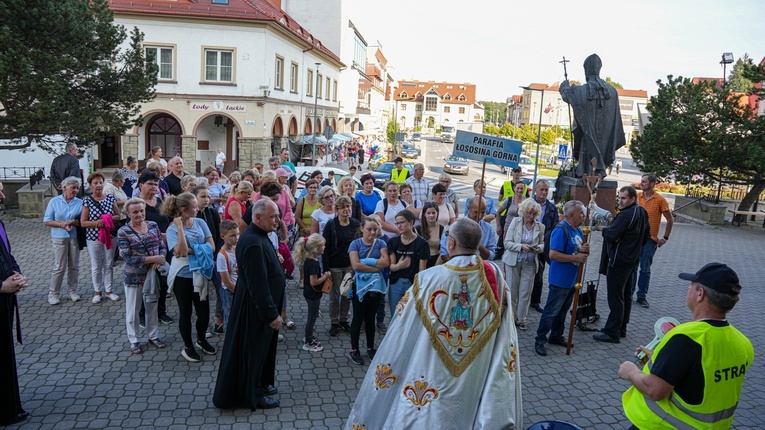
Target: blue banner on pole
x=495 y=150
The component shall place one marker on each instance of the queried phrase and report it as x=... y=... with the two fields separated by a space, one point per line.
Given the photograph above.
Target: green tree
x=493 y=111
x=62 y=72
x=614 y=83
x=390 y=131
x=737 y=81
x=491 y=129
x=700 y=133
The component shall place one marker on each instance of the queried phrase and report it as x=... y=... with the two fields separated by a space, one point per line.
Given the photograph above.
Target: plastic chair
x=554 y=425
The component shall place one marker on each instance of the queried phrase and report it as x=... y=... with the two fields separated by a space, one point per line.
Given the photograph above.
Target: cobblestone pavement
x=76 y=371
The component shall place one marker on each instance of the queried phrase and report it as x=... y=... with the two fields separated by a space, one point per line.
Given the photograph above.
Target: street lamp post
x=539 y=132
x=727 y=58
x=315 y=112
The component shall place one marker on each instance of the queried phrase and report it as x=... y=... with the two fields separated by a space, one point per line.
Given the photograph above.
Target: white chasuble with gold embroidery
x=450 y=357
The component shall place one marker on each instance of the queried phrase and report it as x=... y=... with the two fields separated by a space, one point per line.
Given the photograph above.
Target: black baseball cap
x=516 y=169
x=716 y=276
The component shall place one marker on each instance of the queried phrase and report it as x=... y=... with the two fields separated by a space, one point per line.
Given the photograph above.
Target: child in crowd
x=309 y=251
x=227 y=267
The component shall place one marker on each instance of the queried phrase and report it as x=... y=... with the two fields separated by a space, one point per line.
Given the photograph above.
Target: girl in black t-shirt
x=309 y=252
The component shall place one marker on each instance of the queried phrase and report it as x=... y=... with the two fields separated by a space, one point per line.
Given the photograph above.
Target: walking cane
x=587 y=180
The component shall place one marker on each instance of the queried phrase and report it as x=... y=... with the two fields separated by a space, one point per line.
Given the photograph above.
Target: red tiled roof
x=718 y=81
x=457 y=89
x=248 y=10
x=632 y=93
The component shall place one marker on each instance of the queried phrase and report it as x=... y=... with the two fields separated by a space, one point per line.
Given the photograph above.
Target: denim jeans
x=553 y=318
x=395 y=292
x=646 y=260
x=226 y=297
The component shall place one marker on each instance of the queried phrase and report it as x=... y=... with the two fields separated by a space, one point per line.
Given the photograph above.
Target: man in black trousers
x=549 y=217
x=622 y=242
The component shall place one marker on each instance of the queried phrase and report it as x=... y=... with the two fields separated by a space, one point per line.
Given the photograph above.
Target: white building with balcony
x=236 y=74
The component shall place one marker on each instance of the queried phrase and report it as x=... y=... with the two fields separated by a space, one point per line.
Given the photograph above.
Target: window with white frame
x=404 y=95
x=328 y=88
x=447 y=109
x=403 y=107
x=462 y=98
x=318 y=85
x=294 y=77
x=279 y=73
x=334 y=91
x=447 y=96
x=309 y=83
x=163 y=57
x=462 y=110
x=219 y=65
x=430 y=104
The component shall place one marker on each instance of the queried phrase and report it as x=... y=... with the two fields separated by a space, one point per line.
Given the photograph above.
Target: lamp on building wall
x=315 y=111
x=539 y=132
x=218 y=120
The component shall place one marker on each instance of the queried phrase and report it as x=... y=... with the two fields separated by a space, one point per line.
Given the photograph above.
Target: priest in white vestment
x=450 y=357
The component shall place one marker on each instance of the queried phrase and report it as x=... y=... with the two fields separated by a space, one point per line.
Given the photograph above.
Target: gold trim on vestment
x=457 y=368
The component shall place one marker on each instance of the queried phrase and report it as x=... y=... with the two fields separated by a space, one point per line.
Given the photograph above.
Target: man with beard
x=248 y=363
x=622 y=242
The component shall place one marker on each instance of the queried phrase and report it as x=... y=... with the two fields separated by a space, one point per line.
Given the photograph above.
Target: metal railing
x=7 y=173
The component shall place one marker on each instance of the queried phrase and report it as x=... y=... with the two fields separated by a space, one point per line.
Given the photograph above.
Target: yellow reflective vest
x=726 y=354
x=399 y=177
x=508 y=192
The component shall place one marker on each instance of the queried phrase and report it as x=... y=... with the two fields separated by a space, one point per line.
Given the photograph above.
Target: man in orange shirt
x=656 y=206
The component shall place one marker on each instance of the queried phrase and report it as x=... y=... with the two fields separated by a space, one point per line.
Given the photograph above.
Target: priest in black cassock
x=248 y=362
x=11 y=411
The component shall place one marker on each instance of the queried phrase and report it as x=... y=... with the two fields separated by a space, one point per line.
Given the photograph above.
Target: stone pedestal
x=33 y=200
x=605 y=198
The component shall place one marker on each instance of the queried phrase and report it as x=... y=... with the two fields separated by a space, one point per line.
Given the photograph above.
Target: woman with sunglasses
x=326 y=212
x=431 y=231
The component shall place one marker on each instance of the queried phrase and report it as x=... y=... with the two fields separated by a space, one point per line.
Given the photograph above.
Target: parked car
x=303 y=174
x=525 y=163
x=550 y=180
x=382 y=172
x=416 y=137
x=455 y=164
x=409 y=150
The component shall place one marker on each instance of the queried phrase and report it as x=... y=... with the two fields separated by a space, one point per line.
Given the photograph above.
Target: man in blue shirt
x=567 y=252
x=491 y=207
x=488 y=242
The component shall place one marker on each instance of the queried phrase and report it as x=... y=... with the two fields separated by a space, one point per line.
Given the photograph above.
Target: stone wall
x=700 y=210
x=129 y=147
x=189 y=153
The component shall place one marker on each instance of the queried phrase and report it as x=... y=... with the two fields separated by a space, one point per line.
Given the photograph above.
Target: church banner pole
x=483 y=184
x=587 y=180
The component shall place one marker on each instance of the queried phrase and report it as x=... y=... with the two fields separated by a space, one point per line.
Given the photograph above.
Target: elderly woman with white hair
x=142 y=248
x=63 y=216
x=524 y=242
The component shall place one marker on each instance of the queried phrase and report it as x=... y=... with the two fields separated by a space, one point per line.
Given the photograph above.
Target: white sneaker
x=280 y=338
x=208 y=334
x=113 y=296
x=53 y=300
x=96 y=298
x=74 y=296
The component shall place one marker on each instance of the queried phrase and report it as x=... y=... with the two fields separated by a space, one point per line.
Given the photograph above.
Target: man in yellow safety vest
x=399 y=173
x=693 y=378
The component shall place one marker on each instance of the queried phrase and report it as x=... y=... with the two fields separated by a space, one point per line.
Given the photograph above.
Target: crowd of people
x=375 y=259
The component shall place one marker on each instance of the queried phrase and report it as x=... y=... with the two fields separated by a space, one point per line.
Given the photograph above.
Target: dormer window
x=418 y=95
x=447 y=97
x=404 y=95
x=462 y=98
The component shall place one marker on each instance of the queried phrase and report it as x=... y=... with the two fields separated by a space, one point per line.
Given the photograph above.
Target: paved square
x=76 y=371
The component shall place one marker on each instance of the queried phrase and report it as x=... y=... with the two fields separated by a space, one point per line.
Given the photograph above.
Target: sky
x=500 y=45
